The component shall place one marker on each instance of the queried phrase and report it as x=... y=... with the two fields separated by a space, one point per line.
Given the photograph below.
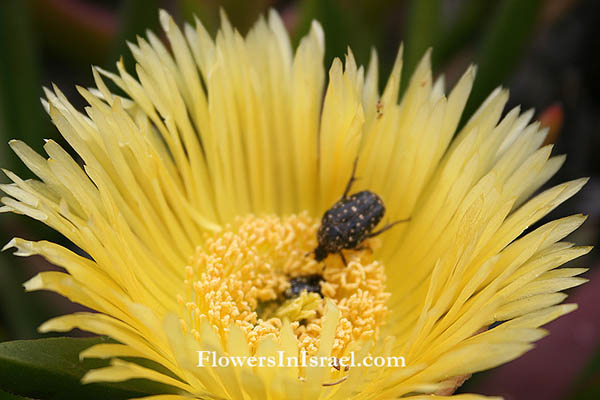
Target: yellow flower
x=197 y=196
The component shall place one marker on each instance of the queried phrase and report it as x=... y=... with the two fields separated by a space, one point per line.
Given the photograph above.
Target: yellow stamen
x=240 y=275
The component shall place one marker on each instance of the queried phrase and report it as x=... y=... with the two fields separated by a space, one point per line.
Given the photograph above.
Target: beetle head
x=320 y=253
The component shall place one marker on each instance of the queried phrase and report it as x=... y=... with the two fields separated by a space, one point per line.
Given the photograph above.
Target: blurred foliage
x=135 y=17
x=345 y=27
x=463 y=30
x=501 y=46
x=23 y=323
x=21 y=116
x=423 y=21
x=587 y=386
x=77 y=31
x=242 y=14
x=20 y=112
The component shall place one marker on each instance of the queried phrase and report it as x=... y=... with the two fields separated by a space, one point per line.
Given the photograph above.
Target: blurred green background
x=546 y=51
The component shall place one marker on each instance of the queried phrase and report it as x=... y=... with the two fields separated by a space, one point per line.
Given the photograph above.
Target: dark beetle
x=309 y=283
x=350 y=221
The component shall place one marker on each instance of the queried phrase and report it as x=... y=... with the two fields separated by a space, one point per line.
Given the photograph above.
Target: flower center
x=259 y=271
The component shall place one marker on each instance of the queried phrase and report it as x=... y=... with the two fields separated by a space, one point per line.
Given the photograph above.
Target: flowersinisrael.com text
x=212 y=359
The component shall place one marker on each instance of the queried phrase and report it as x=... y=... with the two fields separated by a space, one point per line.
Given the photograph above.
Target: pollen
x=240 y=276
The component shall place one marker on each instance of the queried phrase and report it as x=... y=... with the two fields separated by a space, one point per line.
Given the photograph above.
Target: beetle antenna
x=385 y=228
x=343 y=258
x=352 y=179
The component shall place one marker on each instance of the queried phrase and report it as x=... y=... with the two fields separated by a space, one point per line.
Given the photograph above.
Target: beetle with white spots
x=350 y=221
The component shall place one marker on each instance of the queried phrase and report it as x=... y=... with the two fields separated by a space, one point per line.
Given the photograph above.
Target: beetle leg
x=385 y=228
x=364 y=247
x=352 y=179
x=343 y=258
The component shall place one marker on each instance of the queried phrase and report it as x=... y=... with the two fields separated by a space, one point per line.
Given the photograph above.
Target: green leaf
x=8 y=396
x=502 y=47
x=51 y=369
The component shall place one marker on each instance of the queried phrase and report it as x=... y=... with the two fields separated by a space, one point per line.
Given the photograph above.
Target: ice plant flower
x=198 y=190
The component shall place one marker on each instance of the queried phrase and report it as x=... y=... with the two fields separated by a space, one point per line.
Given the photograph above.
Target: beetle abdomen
x=346 y=224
